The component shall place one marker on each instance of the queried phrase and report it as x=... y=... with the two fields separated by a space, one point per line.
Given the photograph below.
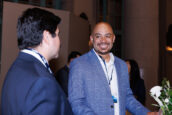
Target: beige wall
x=76 y=31
x=11 y=12
x=77 y=40
x=86 y=6
x=141 y=39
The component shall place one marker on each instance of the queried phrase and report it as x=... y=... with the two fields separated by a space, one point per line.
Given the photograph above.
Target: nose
x=103 y=39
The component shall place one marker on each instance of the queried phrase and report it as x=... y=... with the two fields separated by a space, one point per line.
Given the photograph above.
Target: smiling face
x=102 y=38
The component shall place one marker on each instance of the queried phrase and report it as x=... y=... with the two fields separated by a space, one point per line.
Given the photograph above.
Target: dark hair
x=73 y=54
x=134 y=73
x=32 y=24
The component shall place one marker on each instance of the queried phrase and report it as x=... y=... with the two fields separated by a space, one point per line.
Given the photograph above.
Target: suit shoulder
x=81 y=60
x=120 y=60
x=121 y=63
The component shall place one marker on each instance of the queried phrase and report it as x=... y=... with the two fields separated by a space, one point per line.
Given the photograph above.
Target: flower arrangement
x=163 y=96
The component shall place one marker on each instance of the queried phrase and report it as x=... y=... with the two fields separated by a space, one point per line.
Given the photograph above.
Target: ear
x=45 y=38
x=113 y=38
x=91 y=38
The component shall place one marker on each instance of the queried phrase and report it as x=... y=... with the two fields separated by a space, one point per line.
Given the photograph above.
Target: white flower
x=163 y=100
x=157 y=100
x=156 y=91
x=166 y=100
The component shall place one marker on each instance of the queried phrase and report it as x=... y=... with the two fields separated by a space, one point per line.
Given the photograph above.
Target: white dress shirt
x=111 y=75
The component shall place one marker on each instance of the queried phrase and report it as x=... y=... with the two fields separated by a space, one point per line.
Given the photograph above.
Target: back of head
x=73 y=55
x=135 y=72
x=32 y=24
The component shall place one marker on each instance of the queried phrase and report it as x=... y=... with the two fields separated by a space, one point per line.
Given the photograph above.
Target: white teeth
x=103 y=45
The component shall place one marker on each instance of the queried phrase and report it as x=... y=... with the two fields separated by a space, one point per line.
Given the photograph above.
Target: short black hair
x=73 y=54
x=32 y=24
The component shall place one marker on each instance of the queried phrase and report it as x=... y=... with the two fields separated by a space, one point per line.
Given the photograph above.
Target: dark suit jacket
x=62 y=78
x=29 y=88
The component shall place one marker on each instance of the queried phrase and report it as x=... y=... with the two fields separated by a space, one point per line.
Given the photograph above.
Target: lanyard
x=42 y=58
x=109 y=78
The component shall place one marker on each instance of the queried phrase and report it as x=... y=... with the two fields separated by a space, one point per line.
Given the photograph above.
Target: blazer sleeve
x=45 y=98
x=77 y=96
x=132 y=105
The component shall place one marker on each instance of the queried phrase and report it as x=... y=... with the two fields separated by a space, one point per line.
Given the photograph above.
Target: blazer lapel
x=100 y=75
x=120 y=82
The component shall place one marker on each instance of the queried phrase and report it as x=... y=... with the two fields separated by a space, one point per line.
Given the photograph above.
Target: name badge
x=114 y=99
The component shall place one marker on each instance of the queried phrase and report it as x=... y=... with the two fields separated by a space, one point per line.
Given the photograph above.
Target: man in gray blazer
x=99 y=81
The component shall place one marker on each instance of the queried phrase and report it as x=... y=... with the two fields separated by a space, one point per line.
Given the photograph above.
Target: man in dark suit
x=62 y=75
x=30 y=87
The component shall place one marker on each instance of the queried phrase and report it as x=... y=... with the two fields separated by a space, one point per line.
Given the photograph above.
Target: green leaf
x=170 y=101
x=170 y=92
x=170 y=107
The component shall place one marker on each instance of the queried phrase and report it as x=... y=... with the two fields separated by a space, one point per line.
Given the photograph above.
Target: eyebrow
x=109 y=34
x=97 y=34
x=105 y=34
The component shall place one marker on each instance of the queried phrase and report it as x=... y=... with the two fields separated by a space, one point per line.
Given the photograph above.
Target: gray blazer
x=89 y=92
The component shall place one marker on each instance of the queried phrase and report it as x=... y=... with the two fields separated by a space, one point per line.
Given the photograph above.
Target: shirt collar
x=112 y=57
x=33 y=54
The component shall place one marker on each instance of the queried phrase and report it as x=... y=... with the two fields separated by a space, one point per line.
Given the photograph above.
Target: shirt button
x=111 y=106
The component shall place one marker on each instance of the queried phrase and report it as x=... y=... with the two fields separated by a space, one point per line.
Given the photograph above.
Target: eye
x=97 y=36
x=108 y=36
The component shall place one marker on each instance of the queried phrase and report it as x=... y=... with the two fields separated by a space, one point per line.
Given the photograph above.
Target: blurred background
x=143 y=30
